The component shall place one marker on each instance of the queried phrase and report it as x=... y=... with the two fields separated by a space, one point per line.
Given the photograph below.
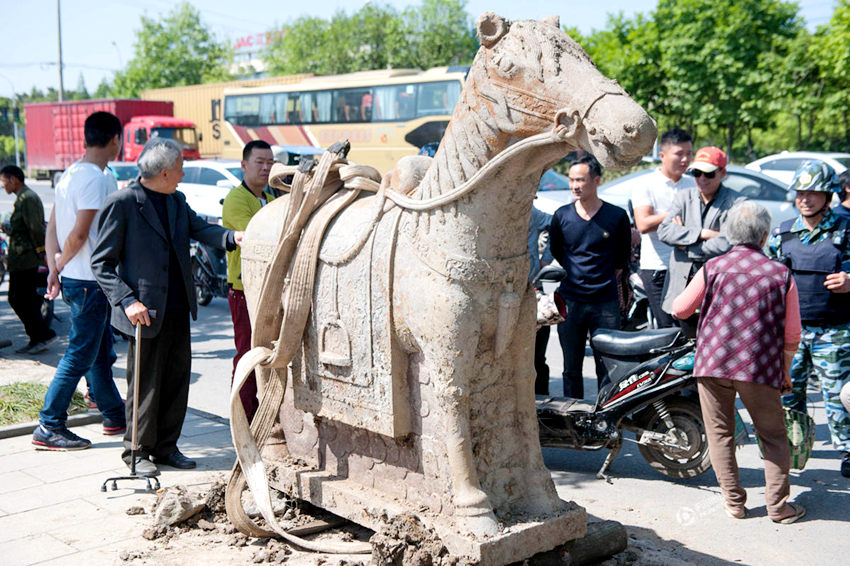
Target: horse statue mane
x=393 y=323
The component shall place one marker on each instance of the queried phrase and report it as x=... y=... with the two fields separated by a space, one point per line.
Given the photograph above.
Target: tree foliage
x=173 y=51
x=438 y=32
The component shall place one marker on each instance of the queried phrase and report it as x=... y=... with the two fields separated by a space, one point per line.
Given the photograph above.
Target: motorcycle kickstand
x=612 y=453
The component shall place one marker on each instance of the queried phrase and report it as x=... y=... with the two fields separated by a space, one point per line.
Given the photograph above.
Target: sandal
x=799 y=511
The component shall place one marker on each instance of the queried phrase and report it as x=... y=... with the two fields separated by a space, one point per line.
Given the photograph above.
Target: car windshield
x=844 y=161
x=183 y=136
x=552 y=181
x=124 y=172
x=236 y=172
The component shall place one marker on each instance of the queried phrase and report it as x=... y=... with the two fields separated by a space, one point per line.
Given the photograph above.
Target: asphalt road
x=683 y=518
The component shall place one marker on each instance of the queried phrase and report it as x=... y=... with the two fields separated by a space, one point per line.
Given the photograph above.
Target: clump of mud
x=405 y=541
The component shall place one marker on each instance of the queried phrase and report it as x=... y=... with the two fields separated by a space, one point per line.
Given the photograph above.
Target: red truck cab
x=139 y=129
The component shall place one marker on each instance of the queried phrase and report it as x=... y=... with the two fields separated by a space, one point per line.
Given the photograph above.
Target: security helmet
x=815 y=175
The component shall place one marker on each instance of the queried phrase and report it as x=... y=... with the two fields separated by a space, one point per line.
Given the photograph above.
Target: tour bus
x=384 y=114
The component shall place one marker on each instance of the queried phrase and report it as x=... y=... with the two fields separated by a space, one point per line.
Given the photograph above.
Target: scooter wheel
x=692 y=459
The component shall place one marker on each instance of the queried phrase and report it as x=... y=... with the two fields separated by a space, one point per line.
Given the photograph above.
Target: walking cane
x=135 y=435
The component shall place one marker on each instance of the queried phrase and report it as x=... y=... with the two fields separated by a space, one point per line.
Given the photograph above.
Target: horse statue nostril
x=629 y=128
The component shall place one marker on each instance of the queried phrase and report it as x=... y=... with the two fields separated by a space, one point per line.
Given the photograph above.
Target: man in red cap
x=694 y=225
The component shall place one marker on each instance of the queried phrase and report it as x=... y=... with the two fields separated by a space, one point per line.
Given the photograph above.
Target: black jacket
x=130 y=257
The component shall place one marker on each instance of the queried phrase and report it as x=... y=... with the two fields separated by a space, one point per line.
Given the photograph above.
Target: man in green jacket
x=26 y=252
x=240 y=205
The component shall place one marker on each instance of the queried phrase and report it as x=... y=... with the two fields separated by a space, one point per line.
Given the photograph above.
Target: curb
x=22 y=429
x=91 y=417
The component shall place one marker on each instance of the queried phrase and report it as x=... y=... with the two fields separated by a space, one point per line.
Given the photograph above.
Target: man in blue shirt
x=591 y=239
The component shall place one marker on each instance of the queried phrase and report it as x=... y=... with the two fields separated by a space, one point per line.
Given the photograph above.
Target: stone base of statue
x=370 y=478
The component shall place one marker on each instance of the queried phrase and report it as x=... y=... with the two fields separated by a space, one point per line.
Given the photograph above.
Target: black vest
x=810 y=264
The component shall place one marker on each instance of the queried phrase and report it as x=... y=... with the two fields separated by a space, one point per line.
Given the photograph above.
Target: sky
x=98 y=35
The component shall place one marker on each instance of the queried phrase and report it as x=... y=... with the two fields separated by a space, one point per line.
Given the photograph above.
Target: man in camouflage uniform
x=816 y=246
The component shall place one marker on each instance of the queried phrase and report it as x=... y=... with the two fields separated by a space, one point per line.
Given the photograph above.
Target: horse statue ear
x=554 y=21
x=491 y=28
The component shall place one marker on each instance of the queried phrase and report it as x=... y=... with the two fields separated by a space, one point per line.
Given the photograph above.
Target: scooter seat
x=622 y=343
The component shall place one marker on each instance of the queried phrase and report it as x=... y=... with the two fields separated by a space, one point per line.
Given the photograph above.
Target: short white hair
x=158 y=154
x=747 y=223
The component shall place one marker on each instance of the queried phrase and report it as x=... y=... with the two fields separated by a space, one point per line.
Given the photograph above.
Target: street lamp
x=120 y=61
x=14 y=121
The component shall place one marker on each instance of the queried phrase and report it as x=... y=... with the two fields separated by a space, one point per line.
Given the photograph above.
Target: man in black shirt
x=591 y=239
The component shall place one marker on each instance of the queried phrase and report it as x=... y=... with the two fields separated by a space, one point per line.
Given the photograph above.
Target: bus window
x=267 y=110
x=405 y=102
x=323 y=105
x=437 y=98
x=242 y=110
x=293 y=109
x=280 y=101
x=309 y=111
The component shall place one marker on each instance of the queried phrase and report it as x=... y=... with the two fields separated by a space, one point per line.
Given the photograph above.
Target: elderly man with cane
x=141 y=261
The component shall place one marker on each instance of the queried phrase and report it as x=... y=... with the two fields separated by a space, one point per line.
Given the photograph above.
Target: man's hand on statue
x=237 y=237
x=838 y=282
x=138 y=314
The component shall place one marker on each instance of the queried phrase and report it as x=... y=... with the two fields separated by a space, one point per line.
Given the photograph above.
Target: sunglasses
x=697 y=174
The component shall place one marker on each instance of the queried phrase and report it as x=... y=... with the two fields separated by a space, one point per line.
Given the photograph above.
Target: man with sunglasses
x=694 y=225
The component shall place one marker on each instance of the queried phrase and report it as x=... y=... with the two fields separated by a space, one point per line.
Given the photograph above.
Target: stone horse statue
x=411 y=378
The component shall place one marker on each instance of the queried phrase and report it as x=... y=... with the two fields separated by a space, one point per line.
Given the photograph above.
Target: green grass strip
x=20 y=402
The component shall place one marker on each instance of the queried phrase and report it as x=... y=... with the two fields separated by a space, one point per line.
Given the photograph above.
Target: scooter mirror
x=552 y=273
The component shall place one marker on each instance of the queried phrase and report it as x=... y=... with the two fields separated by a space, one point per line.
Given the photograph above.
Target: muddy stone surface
x=209 y=538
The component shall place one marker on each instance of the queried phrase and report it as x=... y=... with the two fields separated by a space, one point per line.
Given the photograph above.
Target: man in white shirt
x=651 y=202
x=71 y=233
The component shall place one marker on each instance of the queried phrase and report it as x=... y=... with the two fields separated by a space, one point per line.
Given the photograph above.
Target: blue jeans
x=90 y=353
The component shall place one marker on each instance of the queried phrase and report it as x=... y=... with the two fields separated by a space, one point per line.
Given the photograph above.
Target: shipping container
x=55 y=131
x=202 y=104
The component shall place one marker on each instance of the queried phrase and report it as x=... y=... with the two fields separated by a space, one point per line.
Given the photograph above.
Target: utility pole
x=59 y=28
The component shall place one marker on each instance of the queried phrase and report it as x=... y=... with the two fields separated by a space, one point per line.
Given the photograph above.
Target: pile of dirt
x=404 y=541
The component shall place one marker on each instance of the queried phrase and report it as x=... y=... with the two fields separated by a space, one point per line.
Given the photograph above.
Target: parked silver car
x=207 y=182
x=782 y=166
x=752 y=184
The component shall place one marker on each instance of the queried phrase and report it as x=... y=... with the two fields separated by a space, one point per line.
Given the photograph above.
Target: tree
x=716 y=59
x=831 y=49
x=104 y=90
x=439 y=32
x=176 y=50
x=375 y=37
x=82 y=93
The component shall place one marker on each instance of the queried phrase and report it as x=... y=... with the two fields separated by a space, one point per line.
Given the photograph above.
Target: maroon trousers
x=242 y=338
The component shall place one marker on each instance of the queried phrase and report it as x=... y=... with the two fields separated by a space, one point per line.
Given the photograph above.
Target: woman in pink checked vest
x=748 y=332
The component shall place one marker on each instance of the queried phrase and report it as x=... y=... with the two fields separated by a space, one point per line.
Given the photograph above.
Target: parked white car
x=207 y=182
x=782 y=166
x=761 y=188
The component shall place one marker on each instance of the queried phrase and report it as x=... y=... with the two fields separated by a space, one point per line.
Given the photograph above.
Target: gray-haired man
x=141 y=261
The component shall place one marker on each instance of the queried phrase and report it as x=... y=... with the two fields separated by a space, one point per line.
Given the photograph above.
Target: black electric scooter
x=650 y=392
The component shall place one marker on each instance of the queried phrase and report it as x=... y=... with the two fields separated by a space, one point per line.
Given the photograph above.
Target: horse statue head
x=530 y=76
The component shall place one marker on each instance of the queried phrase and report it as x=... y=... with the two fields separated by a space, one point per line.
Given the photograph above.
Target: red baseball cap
x=709 y=159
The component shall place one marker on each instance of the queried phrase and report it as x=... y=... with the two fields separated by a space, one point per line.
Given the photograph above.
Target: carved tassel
x=508 y=313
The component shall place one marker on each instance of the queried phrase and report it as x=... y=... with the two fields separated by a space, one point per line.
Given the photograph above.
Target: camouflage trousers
x=824 y=353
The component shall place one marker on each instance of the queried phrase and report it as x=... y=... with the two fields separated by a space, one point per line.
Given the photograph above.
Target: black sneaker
x=25 y=349
x=63 y=439
x=845 y=464
x=42 y=345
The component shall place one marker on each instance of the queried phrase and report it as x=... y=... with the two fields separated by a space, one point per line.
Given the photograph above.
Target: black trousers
x=26 y=302
x=541 y=382
x=653 y=284
x=165 y=368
